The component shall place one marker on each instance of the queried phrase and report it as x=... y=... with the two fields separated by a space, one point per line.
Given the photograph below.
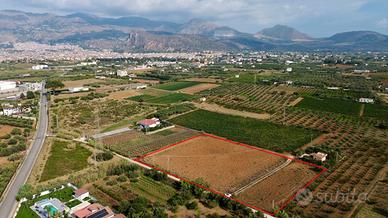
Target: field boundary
x=323 y=169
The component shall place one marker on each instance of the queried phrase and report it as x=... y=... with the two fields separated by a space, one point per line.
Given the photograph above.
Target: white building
x=40 y=67
x=30 y=86
x=6 y=85
x=11 y=111
x=366 y=100
x=122 y=73
x=289 y=69
x=78 y=89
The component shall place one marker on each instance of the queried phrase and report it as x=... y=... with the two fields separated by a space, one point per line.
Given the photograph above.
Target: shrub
x=104 y=156
x=121 y=179
x=192 y=205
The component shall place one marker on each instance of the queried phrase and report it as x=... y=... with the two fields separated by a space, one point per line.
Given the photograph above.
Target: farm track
x=262 y=177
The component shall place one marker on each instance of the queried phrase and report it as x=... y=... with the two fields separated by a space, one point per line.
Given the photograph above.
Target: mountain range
x=141 y=34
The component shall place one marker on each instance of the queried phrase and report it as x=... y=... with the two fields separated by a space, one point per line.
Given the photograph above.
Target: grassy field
x=176 y=85
x=376 y=111
x=164 y=99
x=151 y=189
x=64 y=160
x=247 y=130
x=331 y=105
x=26 y=212
x=6 y=173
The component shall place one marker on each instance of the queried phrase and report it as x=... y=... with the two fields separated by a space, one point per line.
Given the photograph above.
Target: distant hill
x=282 y=33
x=134 y=33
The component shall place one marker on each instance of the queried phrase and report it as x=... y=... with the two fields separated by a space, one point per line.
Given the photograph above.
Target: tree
x=54 y=84
x=30 y=95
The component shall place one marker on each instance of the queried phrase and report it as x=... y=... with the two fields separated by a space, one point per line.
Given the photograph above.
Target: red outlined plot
x=223 y=160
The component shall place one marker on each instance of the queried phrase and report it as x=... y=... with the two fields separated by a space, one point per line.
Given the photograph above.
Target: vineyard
x=248 y=130
x=134 y=143
x=252 y=98
x=363 y=155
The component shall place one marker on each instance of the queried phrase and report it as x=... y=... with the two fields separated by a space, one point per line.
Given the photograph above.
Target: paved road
x=9 y=203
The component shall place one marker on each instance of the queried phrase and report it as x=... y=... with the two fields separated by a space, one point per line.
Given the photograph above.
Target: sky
x=319 y=18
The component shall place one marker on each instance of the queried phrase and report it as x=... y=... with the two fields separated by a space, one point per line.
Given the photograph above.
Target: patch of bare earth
x=204 y=80
x=222 y=164
x=119 y=95
x=5 y=129
x=278 y=188
x=296 y=101
x=198 y=88
x=78 y=83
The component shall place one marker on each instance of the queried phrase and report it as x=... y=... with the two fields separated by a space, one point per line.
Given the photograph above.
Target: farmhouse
x=366 y=100
x=320 y=156
x=81 y=193
x=11 y=111
x=40 y=67
x=94 y=210
x=122 y=73
x=78 y=89
x=149 y=123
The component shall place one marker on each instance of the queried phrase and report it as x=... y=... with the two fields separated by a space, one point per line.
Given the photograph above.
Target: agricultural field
x=248 y=130
x=174 y=86
x=13 y=143
x=164 y=99
x=228 y=167
x=65 y=157
x=251 y=98
x=198 y=88
x=136 y=143
x=83 y=117
x=377 y=111
x=120 y=95
x=333 y=105
x=79 y=83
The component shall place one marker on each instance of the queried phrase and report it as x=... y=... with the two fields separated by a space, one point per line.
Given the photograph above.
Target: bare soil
x=222 y=164
x=119 y=95
x=222 y=110
x=78 y=83
x=198 y=88
x=278 y=188
x=5 y=129
x=205 y=80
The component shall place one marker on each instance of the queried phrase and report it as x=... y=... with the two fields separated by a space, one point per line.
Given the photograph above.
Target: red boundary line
x=140 y=159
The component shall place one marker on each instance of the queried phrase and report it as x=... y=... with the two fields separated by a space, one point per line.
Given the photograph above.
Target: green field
x=64 y=160
x=331 y=105
x=151 y=189
x=376 y=111
x=247 y=130
x=164 y=99
x=26 y=212
x=176 y=85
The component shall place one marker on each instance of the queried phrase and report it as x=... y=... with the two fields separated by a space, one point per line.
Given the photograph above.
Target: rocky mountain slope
x=142 y=34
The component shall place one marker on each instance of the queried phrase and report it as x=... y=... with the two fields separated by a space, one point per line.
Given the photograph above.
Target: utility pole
x=284 y=115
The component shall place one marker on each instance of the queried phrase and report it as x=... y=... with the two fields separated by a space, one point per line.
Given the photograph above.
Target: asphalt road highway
x=9 y=203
